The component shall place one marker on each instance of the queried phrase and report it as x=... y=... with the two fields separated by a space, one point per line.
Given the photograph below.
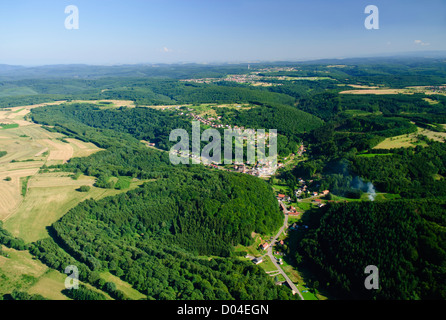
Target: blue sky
x=167 y=31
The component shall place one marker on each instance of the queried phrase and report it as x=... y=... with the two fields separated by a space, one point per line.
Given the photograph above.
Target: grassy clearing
x=5 y=126
x=107 y=104
x=267 y=264
x=24 y=184
x=403 y=141
x=437 y=136
x=430 y=101
x=123 y=183
x=20 y=271
x=82 y=149
x=305 y=205
x=387 y=196
x=373 y=155
x=357 y=113
x=123 y=286
x=50 y=285
x=252 y=250
x=383 y=91
x=305 y=291
x=282 y=189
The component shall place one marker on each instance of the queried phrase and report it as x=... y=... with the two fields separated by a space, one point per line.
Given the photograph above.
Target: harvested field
x=82 y=149
x=59 y=151
x=50 y=196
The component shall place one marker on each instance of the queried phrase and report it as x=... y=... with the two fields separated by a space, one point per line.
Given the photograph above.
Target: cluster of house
x=259 y=169
x=283 y=197
x=202 y=80
x=255 y=78
x=303 y=189
x=278 y=69
x=293 y=211
x=264 y=246
x=209 y=121
x=438 y=88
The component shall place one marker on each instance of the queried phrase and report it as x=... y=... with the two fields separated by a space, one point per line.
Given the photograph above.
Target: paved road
x=273 y=259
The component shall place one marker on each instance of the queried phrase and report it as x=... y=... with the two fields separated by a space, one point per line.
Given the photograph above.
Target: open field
x=20 y=271
x=359 y=113
x=50 y=285
x=123 y=286
x=82 y=149
x=28 y=148
x=437 y=136
x=410 y=140
x=107 y=103
x=408 y=90
x=357 y=86
x=49 y=197
x=373 y=155
x=377 y=91
x=253 y=249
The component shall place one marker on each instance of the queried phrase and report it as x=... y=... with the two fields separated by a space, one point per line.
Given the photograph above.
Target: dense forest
x=140 y=123
x=410 y=172
x=152 y=237
x=404 y=239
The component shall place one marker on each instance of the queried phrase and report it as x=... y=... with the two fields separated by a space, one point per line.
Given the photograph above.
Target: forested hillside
x=150 y=236
x=404 y=239
x=140 y=123
x=153 y=236
x=412 y=173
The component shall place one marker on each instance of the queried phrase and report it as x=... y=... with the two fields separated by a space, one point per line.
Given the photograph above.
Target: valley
x=86 y=180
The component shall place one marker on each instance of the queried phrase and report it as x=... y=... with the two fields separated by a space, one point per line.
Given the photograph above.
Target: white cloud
x=421 y=43
x=165 y=49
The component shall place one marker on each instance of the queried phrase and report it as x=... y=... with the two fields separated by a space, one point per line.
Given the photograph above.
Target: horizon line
x=406 y=54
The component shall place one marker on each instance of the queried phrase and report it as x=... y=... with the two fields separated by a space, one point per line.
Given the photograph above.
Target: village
x=263 y=169
x=256 y=78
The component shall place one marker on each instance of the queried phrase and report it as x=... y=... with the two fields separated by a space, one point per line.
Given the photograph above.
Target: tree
x=84 y=189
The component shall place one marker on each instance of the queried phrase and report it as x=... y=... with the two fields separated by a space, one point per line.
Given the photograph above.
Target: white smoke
x=367 y=187
x=371 y=191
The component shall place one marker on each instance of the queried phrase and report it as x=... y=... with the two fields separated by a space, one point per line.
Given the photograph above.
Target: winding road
x=273 y=259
